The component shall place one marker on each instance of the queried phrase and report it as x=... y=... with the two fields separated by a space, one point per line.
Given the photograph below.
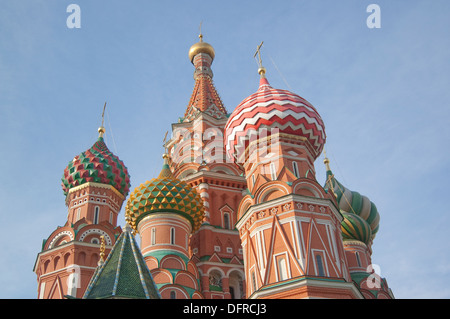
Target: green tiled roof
x=124 y=273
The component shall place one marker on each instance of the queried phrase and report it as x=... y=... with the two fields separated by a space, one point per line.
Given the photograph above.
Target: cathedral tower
x=95 y=184
x=165 y=211
x=289 y=226
x=197 y=157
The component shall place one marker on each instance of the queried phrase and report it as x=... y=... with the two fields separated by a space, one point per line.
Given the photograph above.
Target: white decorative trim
x=96 y=231
x=61 y=234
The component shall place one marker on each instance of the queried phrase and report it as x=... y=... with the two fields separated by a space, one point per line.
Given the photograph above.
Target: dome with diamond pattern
x=164 y=194
x=98 y=165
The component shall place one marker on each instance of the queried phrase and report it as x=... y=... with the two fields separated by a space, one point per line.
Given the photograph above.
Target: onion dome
x=98 y=165
x=164 y=194
x=353 y=202
x=270 y=108
x=354 y=227
x=201 y=47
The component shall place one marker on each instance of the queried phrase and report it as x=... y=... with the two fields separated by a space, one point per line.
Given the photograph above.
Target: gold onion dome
x=164 y=194
x=201 y=47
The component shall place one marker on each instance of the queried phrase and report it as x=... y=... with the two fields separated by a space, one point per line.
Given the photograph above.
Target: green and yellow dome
x=351 y=202
x=164 y=194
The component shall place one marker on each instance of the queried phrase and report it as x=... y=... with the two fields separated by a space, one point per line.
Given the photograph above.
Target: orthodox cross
x=164 y=142
x=101 y=129
x=200 y=30
x=258 y=52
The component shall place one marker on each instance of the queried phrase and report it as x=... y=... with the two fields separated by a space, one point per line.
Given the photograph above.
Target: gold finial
x=330 y=177
x=326 y=161
x=165 y=144
x=102 y=250
x=201 y=47
x=101 y=129
x=261 y=69
x=200 y=36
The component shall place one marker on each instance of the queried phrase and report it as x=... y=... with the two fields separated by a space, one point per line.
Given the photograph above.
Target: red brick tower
x=95 y=184
x=197 y=157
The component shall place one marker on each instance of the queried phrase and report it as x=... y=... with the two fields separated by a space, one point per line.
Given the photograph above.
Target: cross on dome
x=261 y=69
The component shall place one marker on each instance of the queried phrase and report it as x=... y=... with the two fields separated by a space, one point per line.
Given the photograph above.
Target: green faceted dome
x=98 y=165
x=164 y=194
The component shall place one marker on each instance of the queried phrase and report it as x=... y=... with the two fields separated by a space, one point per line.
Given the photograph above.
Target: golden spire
x=102 y=250
x=101 y=129
x=261 y=69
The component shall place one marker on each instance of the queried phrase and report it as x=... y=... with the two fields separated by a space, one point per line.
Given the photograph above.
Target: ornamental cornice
x=93 y=184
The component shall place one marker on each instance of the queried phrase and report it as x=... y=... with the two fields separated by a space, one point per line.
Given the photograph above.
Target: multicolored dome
x=270 y=108
x=354 y=227
x=164 y=194
x=99 y=165
x=353 y=202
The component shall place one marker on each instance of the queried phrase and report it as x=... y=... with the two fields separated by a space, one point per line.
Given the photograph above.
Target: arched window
x=320 y=269
x=295 y=169
x=172 y=236
x=358 y=259
x=78 y=213
x=282 y=269
x=173 y=294
x=96 y=213
x=226 y=220
x=153 y=235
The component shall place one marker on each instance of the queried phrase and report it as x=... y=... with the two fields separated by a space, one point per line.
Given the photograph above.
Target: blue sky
x=382 y=93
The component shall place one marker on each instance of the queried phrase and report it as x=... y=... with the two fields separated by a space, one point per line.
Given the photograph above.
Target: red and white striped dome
x=270 y=108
